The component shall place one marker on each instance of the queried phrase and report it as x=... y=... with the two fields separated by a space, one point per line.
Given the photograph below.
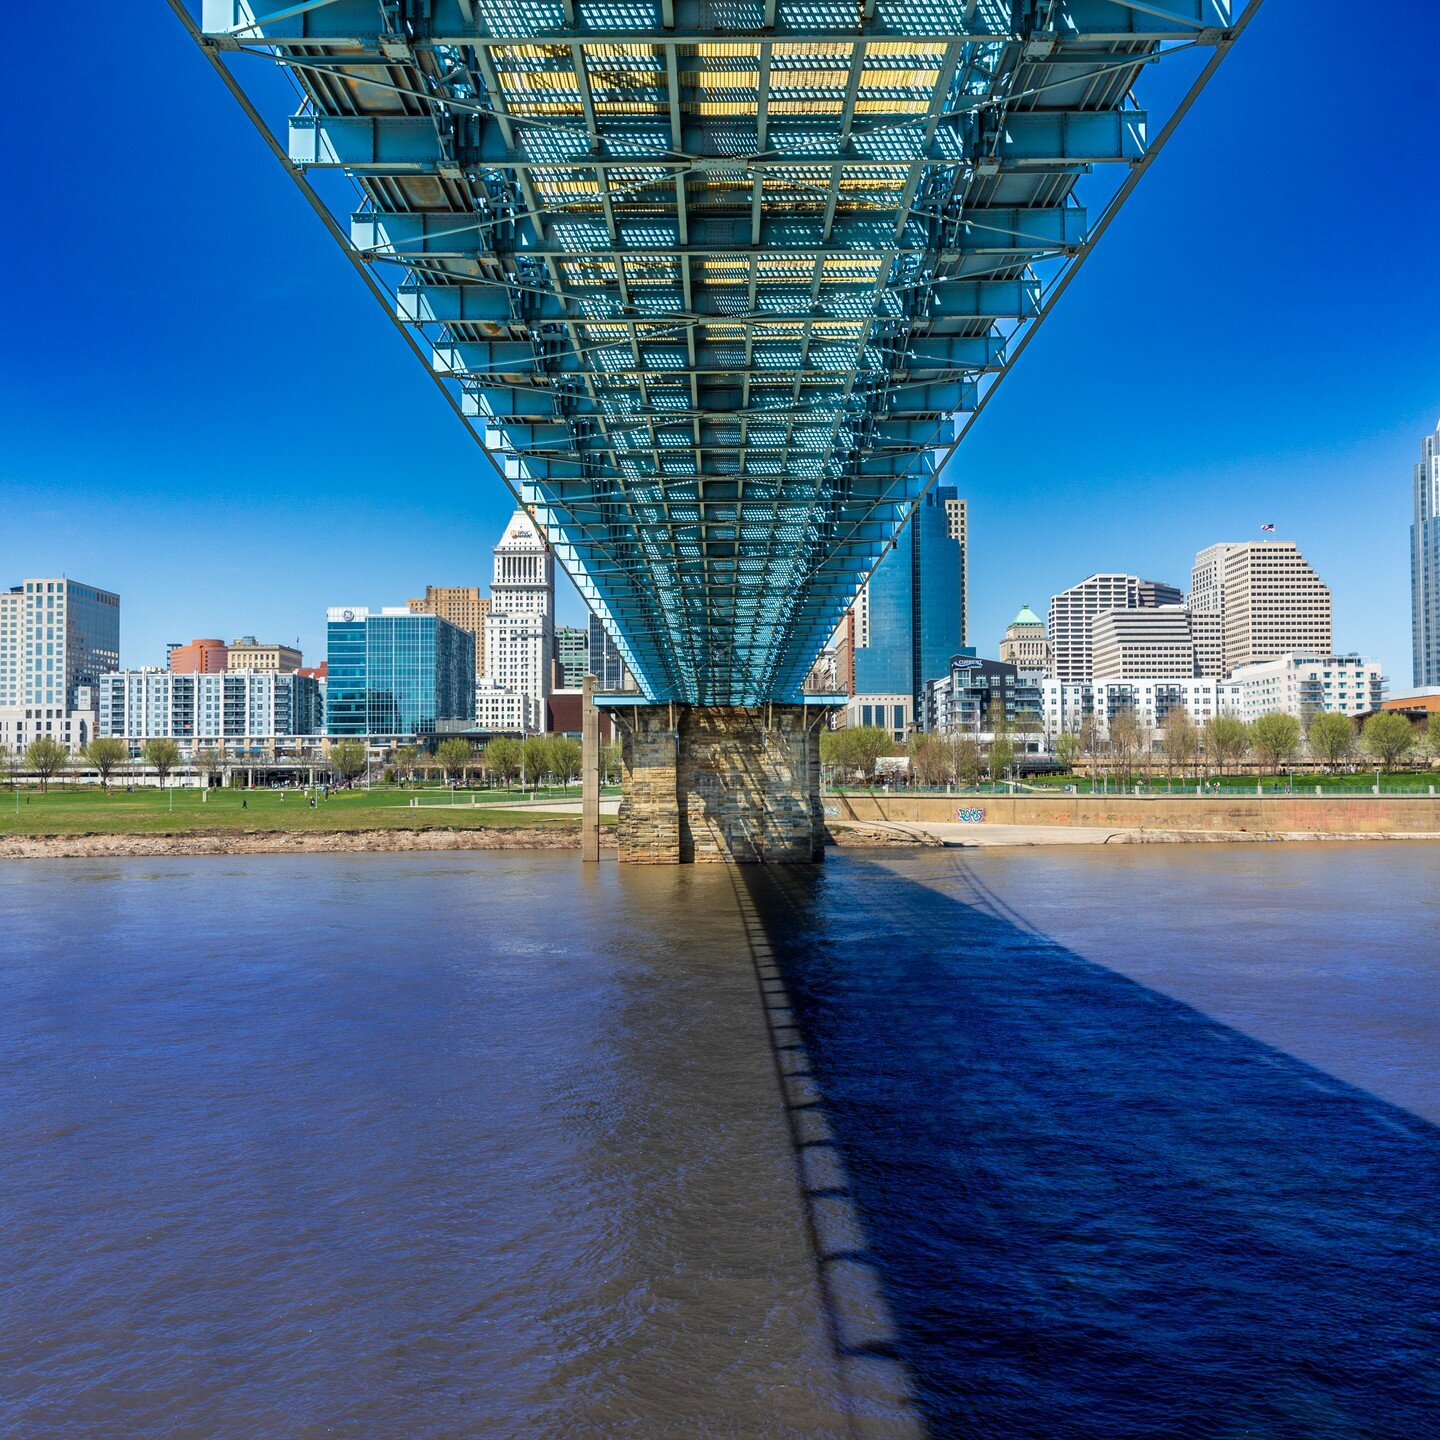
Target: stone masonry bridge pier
x=720 y=782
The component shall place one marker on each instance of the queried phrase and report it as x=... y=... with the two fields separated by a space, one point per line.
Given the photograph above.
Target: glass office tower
x=392 y=673
x=55 y=636
x=916 y=612
x=607 y=665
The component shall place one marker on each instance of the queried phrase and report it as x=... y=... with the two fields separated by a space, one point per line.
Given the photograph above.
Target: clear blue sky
x=203 y=409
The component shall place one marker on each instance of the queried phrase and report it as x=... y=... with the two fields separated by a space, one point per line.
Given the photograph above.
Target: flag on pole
x=1270 y=528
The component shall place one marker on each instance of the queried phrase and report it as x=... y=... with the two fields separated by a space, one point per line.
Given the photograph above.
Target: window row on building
x=234 y=710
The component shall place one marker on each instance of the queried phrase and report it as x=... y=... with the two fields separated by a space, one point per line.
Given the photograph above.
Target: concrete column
x=733 y=784
x=589 y=775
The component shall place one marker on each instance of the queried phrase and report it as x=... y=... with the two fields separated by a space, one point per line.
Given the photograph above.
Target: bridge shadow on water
x=1093 y=1212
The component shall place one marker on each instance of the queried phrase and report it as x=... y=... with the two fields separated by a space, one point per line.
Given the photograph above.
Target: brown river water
x=1128 y=1143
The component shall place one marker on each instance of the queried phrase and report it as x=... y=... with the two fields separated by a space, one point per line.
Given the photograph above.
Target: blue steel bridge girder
x=719 y=285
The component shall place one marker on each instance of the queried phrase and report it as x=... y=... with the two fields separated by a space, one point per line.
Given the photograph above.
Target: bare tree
x=1000 y=755
x=931 y=762
x=1127 y=736
x=967 y=759
x=1067 y=749
x=1180 y=740
x=1092 y=744
x=209 y=763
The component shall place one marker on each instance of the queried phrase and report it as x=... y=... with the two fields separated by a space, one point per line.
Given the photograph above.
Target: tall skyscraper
x=394 y=673
x=1425 y=563
x=1208 y=632
x=520 y=628
x=607 y=664
x=913 y=607
x=55 y=636
x=461 y=605
x=1073 y=610
x=1268 y=600
x=1207 y=580
x=957 y=515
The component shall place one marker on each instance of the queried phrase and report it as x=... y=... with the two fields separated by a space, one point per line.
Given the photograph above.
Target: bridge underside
x=717 y=284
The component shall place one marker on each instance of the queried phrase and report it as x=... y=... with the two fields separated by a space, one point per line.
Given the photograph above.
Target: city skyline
x=1240 y=415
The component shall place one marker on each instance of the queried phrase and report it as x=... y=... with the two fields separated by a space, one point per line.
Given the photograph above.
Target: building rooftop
x=1027 y=617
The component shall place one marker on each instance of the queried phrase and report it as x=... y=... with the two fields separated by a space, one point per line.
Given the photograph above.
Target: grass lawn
x=89 y=811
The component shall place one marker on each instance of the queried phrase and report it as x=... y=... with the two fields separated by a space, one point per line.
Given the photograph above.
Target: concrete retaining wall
x=1319 y=814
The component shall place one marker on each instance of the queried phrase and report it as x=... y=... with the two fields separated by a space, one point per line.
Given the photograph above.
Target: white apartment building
x=238 y=711
x=520 y=626
x=1269 y=600
x=1156 y=642
x=1066 y=705
x=1073 y=610
x=1303 y=685
x=1425 y=563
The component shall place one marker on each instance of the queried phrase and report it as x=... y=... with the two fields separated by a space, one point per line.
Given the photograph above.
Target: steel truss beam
x=718 y=291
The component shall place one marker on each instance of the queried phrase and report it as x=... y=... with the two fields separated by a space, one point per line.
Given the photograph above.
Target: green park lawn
x=89 y=811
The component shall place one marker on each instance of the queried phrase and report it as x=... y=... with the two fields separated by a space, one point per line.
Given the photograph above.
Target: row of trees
x=503 y=760
x=1275 y=740
x=539 y=757
x=855 y=752
x=46 y=758
x=1180 y=746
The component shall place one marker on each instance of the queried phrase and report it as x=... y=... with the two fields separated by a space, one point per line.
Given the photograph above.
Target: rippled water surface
x=1135 y=1143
